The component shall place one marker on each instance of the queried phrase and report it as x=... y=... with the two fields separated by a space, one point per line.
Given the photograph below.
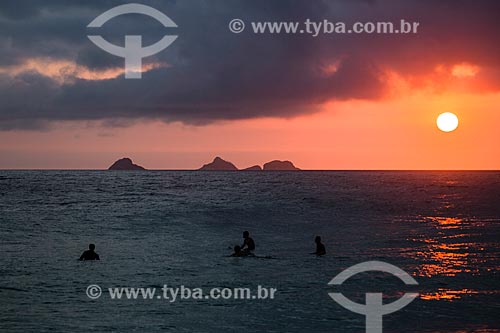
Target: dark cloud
x=213 y=74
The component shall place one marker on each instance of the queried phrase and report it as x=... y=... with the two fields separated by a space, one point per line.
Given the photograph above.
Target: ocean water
x=175 y=227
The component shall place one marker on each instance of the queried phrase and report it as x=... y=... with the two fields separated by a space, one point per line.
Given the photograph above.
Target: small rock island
x=218 y=164
x=125 y=164
x=280 y=166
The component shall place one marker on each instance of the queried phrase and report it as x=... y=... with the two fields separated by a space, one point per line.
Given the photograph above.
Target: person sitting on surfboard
x=248 y=243
x=320 y=248
x=89 y=254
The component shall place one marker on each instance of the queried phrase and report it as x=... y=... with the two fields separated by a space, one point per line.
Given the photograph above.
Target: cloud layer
x=50 y=71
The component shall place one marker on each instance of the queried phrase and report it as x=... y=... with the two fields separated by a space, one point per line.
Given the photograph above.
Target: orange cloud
x=462 y=77
x=464 y=70
x=64 y=71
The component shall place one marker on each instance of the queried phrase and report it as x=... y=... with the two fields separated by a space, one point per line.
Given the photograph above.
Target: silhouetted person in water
x=248 y=243
x=320 y=248
x=238 y=252
x=89 y=254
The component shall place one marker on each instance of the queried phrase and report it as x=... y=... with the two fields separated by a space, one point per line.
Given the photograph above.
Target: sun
x=447 y=122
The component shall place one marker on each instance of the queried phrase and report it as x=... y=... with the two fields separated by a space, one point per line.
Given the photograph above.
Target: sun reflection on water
x=448 y=251
x=443 y=258
x=450 y=295
x=448 y=222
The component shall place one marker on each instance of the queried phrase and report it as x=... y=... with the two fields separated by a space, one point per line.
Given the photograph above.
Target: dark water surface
x=174 y=227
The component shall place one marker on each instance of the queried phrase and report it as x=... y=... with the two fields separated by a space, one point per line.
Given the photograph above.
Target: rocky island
x=125 y=164
x=218 y=164
x=280 y=166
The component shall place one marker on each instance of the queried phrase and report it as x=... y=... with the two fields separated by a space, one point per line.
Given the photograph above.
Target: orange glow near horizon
x=396 y=132
x=464 y=70
x=345 y=135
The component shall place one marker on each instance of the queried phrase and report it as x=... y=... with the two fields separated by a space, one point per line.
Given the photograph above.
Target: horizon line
x=253 y=171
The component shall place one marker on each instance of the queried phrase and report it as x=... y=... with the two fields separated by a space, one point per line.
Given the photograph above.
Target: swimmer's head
x=317 y=239
x=246 y=234
x=92 y=247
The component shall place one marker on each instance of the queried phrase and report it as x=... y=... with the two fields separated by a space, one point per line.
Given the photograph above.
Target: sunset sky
x=328 y=102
